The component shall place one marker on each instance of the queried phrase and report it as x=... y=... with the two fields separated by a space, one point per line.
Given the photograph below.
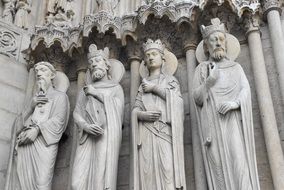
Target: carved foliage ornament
x=102 y=21
x=69 y=38
x=238 y=6
x=8 y=43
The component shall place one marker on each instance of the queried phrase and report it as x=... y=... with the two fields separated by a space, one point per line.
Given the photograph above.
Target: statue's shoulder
x=59 y=94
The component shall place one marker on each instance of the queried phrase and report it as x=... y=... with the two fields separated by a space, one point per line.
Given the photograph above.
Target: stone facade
x=123 y=27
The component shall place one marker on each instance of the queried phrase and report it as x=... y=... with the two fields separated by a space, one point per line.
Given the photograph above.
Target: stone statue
x=223 y=104
x=99 y=115
x=9 y=10
x=107 y=5
x=157 y=123
x=22 y=14
x=60 y=13
x=45 y=120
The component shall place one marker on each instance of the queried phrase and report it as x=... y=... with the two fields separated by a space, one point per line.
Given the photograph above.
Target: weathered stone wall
x=13 y=81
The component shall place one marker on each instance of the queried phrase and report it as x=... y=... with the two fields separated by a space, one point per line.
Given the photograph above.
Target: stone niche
x=123 y=28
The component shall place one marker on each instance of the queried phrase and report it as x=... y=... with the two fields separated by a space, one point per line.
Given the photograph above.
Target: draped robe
x=35 y=161
x=158 y=154
x=96 y=160
x=230 y=159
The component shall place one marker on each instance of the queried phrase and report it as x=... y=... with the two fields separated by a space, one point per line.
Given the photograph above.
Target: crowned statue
x=157 y=123
x=223 y=104
x=99 y=115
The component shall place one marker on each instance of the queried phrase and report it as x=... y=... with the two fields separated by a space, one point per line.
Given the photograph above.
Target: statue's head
x=153 y=54
x=214 y=37
x=45 y=73
x=98 y=63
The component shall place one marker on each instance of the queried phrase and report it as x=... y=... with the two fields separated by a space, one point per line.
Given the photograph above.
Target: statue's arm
x=172 y=85
x=79 y=109
x=199 y=88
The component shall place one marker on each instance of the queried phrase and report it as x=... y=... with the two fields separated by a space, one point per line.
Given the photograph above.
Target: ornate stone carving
x=238 y=6
x=157 y=123
x=107 y=5
x=103 y=21
x=99 y=115
x=60 y=13
x=157 y=8
x=9 y=10
x=223 y=105
x=271 y=5
x=69 y=38
x=250 y=22
x=44 y=118
x=128 y=27
x=8 y=43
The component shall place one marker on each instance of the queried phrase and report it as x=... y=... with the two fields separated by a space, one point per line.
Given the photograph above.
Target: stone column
x=269 y=125
x=81 y=67
x=134 y=59
x=272 y=13
x=199 y=171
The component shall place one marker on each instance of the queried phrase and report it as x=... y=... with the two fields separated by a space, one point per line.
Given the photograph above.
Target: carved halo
x=116 y=71
x=168 y=68
x=61 y=82
x=233 y=49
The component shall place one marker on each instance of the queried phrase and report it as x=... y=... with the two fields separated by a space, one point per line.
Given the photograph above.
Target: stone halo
x=116 y=71
x=233 y=49
x=61 y=82
x=168 y=68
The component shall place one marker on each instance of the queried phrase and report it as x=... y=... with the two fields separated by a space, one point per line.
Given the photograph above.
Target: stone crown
x=94 y=52
x=216 y=26
x=150 y=44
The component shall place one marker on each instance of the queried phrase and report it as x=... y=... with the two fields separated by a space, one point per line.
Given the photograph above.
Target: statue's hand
x=149 y=115
x=94 y=129
x=147 y=86
x=28 y=136
x=213 y=75
x=38 y=100
x=224 y=107
x=89 y=90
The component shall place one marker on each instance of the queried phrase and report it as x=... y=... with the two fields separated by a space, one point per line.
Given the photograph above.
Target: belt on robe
x=157 y=128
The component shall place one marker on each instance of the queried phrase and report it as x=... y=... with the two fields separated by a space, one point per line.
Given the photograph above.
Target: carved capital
x=269 y=5
x=251 y=23
x=238 y=7
x=134 y=52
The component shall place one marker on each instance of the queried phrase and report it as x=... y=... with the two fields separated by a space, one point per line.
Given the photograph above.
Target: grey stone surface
x=14 y=76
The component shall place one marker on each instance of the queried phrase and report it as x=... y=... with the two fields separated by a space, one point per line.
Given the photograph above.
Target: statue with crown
x=157 y=123
x=99 y=115
x=223 y=105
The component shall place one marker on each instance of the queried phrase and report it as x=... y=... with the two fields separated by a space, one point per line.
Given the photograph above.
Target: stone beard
x=223 y=103
x=98 y=115
x=157 y=130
